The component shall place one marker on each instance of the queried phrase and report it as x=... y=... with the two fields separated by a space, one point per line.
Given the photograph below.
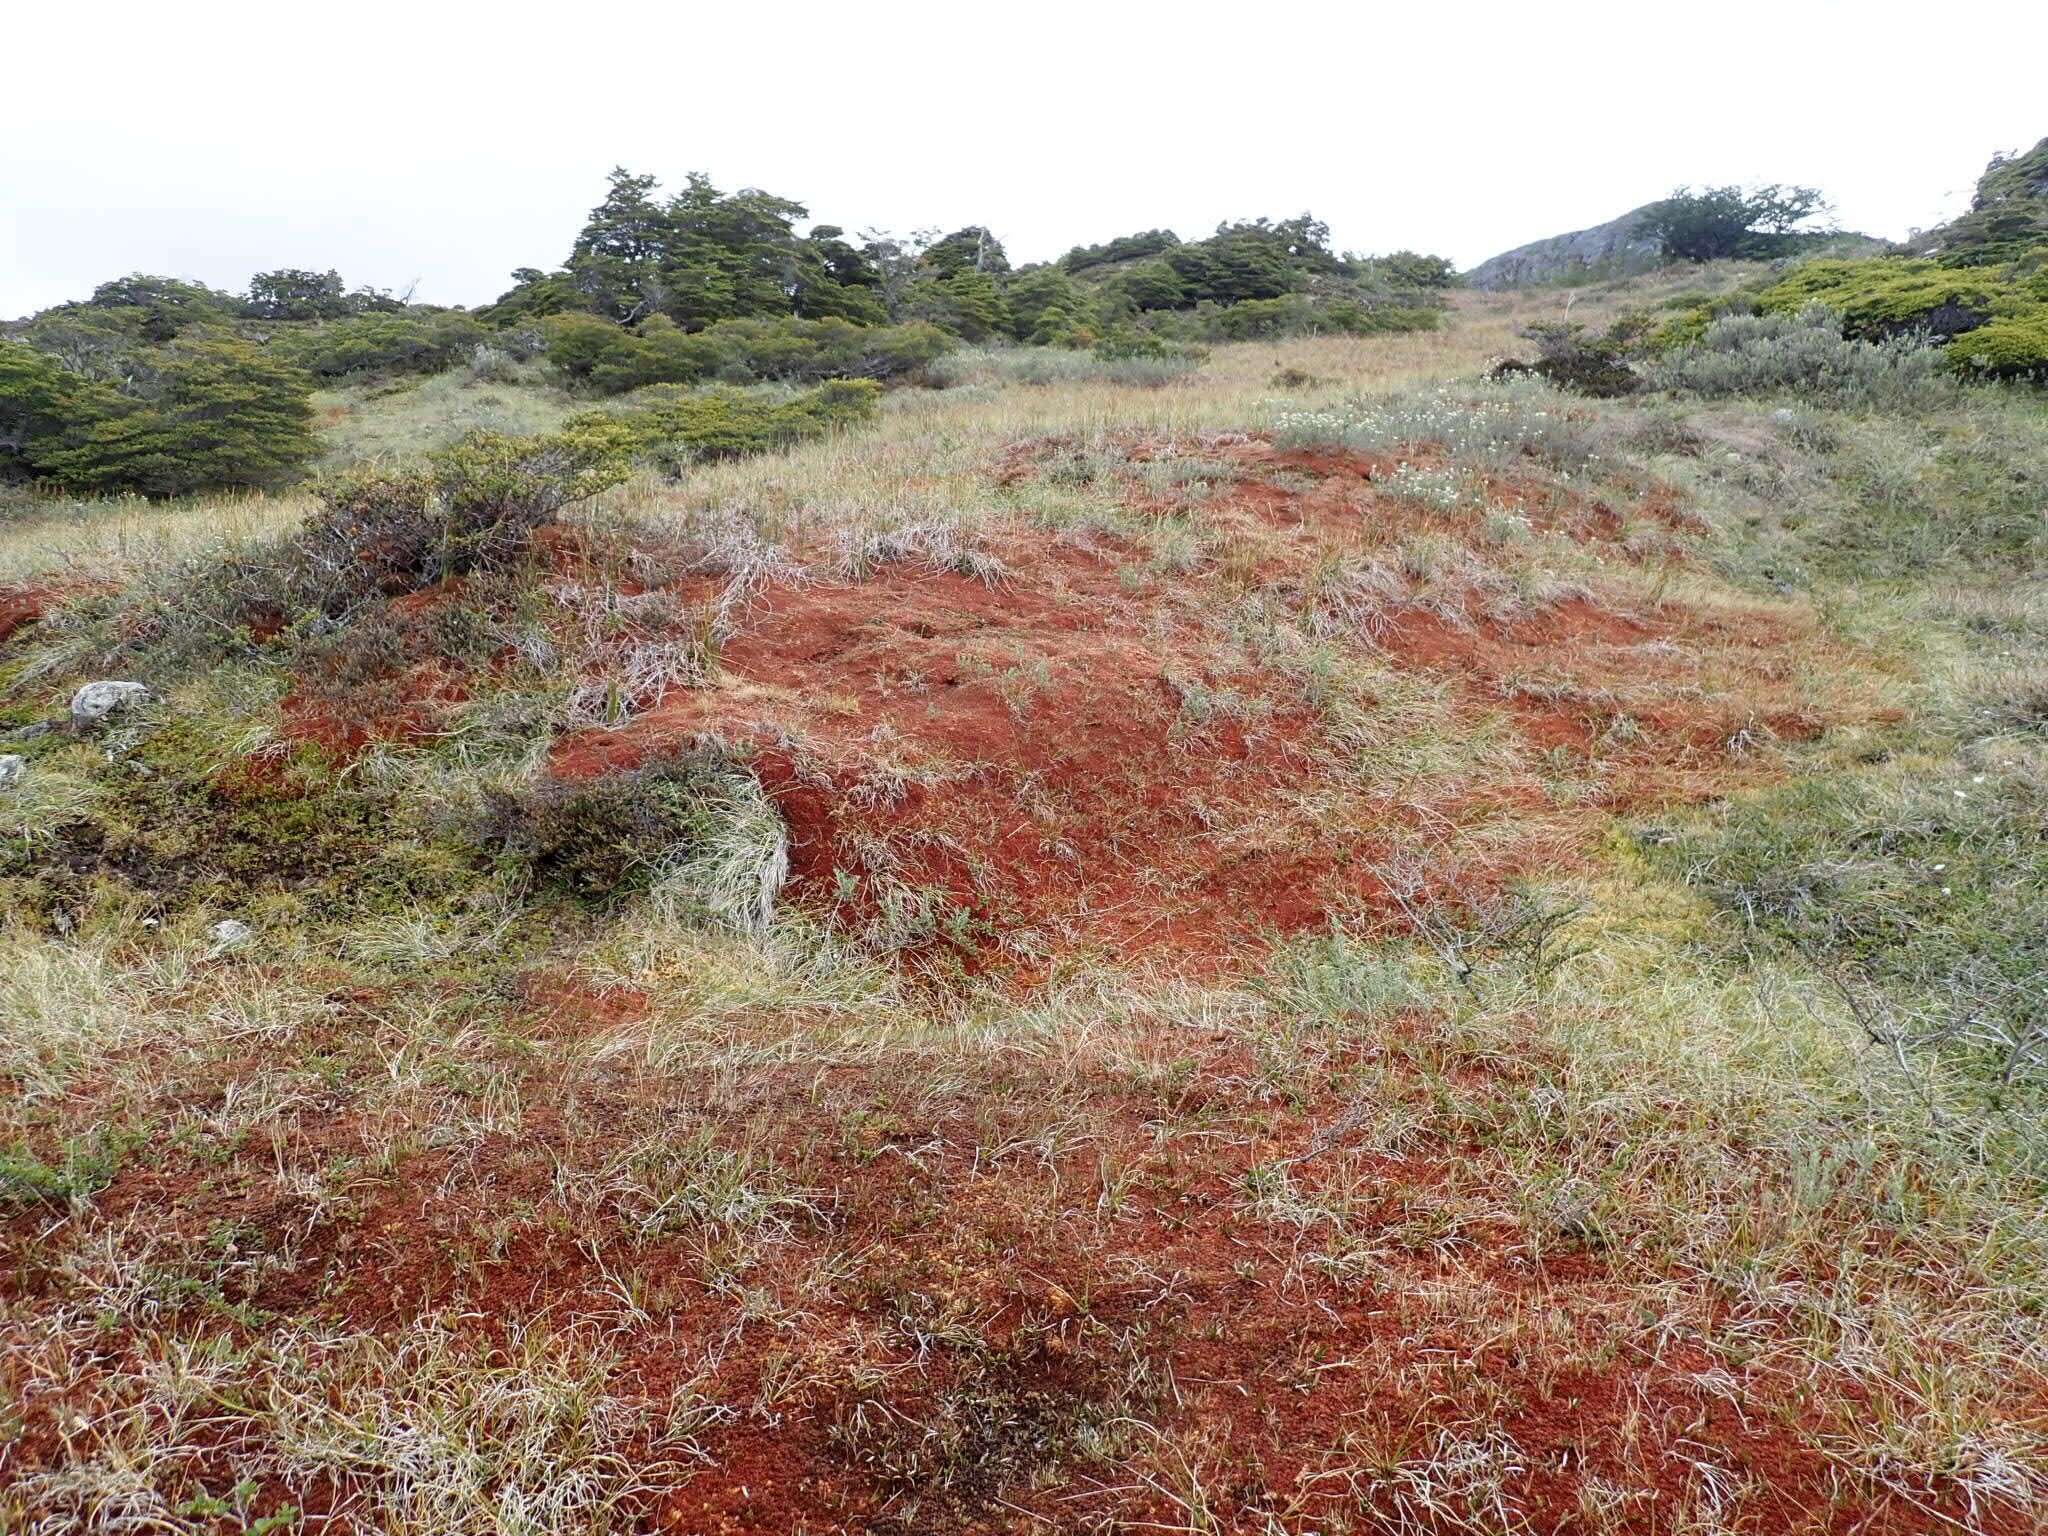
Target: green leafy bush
x=407 y=341
x=1886 y=296
x=676 y=427
x=211 y=414
x=609 y=359
x=1994 y=319
x=2012 y=347
x=1301 y=315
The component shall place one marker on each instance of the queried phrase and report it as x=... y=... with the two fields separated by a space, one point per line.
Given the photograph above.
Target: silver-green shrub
x=1806 y=354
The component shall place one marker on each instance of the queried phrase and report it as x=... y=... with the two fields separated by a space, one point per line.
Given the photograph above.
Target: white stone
x=229 y=933
x=13 y=766
x=95 y=701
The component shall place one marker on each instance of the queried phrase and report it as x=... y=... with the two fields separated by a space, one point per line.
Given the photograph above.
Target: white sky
x=446 y=145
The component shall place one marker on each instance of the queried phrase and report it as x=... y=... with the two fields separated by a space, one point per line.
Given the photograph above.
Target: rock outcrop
x=1613 y=249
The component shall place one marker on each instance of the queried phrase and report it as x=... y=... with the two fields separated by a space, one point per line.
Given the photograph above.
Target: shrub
x=613 y=835
x=609 y=359
x=1571 y=357
x=406 y=342
x=1300 y=315
x=219 y=415
x=1807 y=354
x=677 y=427
x=39 y=399
x=1887 y=296
x=1049 y=309
x=2014 y=347
x=475 y=505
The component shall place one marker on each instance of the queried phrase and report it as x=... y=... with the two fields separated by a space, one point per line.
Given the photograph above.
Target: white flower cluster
x=1446 y=490
x=1462 y=424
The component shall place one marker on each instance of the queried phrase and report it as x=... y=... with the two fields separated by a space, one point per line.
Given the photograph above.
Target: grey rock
x=13 y=767
x=229 y=933
x=1613 y=249
x=96 y=701
x=28 y=732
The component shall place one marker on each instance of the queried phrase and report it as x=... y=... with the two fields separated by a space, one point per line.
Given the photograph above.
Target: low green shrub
x=677 y=427
x=609 y=359
x=203 y=413
x=1298 y=314
x=1884 y=297
x=391 y=343
x=613 y=835
x=2011 y=347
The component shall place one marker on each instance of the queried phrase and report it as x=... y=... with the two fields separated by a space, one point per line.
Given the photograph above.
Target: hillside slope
x=1329 y=946
x=2008 y=213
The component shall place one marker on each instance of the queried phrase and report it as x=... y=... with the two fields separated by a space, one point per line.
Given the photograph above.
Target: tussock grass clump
x=694 y=823
x=1044 y=367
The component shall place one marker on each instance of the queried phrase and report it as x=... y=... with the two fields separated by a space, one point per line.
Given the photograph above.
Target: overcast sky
x=417 y=144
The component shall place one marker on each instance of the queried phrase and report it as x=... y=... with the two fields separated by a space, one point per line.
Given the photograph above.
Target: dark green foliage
x=1573 y=358
x=1303 y=315
x=399 y=342
x=1722 y=223
x=291 y=293
x=219 y=414
x=151 y=309
x=1239 y=264
x=606 y=838
x=610 y=359
x=679 y=427
x=969 y=304
x=1152 y=285
x=1123 y=248
x=39 y=400
x=535 y=295
x=698 y=257
x=1048 y=308
x=1411 y=269
x=972 y=249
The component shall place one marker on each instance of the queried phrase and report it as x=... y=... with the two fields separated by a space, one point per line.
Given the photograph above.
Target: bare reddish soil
x=1081 y=756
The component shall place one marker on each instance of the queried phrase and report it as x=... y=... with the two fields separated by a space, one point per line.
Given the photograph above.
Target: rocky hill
x=1610 y=249
x=2008 y=214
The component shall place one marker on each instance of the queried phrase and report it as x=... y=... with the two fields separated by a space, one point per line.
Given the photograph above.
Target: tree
x=1411 y=269
x=291 y=293
x=39 y=400
x=1152 y=285
x=1046 y=306
x=970 y=305
x=972 y=249
x=1719 y=223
